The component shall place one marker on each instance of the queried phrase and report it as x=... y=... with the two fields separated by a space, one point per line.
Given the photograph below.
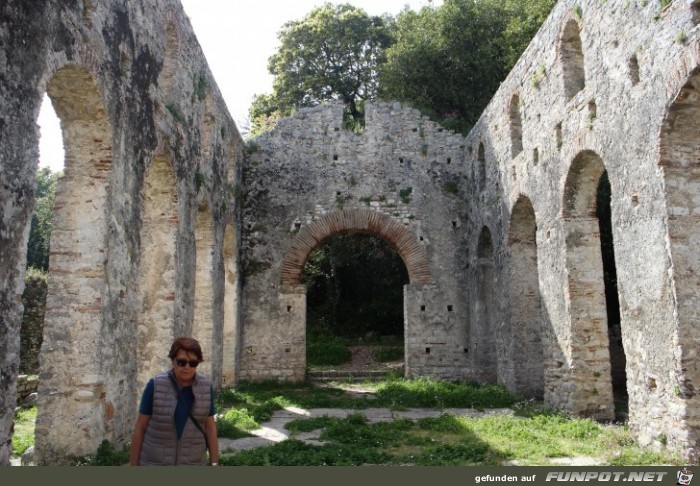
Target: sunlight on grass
x=23 y=437
x=532 y=435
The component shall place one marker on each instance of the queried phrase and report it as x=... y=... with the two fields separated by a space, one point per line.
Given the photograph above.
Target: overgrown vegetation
x=448 y=61
x=529 y=436
x=355 y=290
x=106 y=455
x=325 y=350
x=42 y=219
x=332 y=54
x=23 y=436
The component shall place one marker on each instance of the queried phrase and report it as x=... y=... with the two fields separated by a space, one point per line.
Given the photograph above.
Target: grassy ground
x=23 y=436
x=533 y=436
x=530 y=436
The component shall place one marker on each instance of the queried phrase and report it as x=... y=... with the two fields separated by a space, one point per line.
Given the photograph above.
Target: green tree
x=40 y=230
x=332 y=54
x=355 y=286
x=449 y=61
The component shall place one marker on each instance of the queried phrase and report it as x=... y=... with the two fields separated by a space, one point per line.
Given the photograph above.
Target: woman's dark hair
x=190 y=345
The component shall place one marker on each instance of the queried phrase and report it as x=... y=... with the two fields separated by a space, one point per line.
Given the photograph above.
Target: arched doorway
x=590 y=336
x=679 y=155
x=355 y=311
x=293 y=297
x=525 y=302
x=483 y=337
x=74 y=423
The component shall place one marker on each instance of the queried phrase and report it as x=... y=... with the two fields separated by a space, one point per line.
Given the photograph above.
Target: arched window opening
x=571 y=53
x=516 y=126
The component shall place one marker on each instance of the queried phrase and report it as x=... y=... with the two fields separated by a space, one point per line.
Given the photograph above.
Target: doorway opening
x=355 y=314
x=612 y=302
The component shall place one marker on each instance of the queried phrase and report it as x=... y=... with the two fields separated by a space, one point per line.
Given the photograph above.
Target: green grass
x=23 y=436
x=236 y=423
x=388 y=353
x=442 y=394
x=450 y=440
x=531 y=435
x=327 y=351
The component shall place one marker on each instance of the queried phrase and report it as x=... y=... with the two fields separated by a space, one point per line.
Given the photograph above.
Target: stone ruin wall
x=504 y=233
x=401 y=179
x=151 y=172
x=603 y=86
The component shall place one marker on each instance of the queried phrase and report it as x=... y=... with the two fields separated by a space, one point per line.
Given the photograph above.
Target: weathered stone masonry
x=603 y=87
x=401 y=179
x=507 y=221
x=149 y=148
x=498 y=230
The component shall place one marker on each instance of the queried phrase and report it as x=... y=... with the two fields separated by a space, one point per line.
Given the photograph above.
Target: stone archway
x=484 y=344
x=590 y=353
x=679 y=154
x=525 y=301
x=291 y=348
x=357 y=220
x=71 y=355
x=157 y=269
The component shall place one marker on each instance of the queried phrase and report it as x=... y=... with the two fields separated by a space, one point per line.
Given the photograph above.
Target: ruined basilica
x=166 y=223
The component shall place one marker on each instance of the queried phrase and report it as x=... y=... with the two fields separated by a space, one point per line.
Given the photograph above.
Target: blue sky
x=237 y=39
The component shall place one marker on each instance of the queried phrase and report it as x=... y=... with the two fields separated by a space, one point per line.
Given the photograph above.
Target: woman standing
x=176 y=425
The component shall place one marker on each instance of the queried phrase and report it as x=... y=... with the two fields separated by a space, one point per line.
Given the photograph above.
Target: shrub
x=329 y=351
x=235 y=423
x=388 y=353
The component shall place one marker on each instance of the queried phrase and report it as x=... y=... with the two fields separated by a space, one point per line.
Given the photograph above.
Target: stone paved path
x=273 y=431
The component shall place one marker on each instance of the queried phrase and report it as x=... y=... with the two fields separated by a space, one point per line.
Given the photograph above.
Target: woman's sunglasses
x=182 y=362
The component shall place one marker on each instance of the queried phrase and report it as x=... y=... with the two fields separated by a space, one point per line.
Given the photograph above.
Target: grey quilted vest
x=161 y=446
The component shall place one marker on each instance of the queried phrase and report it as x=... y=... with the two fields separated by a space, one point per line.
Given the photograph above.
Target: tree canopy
x=447 y=61
x=332 y=54
x=42 y=219
x=450 y=60
x=355 y=286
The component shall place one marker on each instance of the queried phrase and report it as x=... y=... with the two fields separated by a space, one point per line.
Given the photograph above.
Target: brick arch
x=361 y=221
x=74 y=320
